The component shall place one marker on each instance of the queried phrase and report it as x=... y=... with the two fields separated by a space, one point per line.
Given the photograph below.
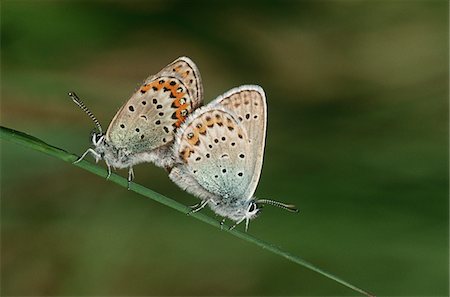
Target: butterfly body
x=122 y=157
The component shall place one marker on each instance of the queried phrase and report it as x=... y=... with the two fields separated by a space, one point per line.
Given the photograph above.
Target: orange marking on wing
x=179 y=115
x=194 y=139
x=209 y=121
x=174 y=93
x=145 y=88
x=177 y=103
x=200 y=128
x=186 y=153
x=173 y=87
x=177 y=96
x=217 y=119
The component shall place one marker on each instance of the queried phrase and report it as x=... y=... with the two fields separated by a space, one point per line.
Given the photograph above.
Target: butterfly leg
x=199 y=206
x=96 y=155
x=130 y=176
x=221 y=223
x=237 y=223
x=195 y=205
x=109 y=169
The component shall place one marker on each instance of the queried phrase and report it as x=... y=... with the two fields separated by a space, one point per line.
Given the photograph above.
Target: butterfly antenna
x=288 y=207
x=80 y=103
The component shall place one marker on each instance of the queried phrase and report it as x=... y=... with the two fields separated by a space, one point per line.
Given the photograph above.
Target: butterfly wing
x=248 y=102
x=185 y=69
x=149 y=118
x=212 y=152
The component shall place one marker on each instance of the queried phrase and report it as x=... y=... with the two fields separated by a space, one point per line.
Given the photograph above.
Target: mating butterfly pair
x=214 y=152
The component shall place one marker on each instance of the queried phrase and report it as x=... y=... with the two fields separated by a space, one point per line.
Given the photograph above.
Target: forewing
x=148 y=120
x=212 y=146
x=248 y=102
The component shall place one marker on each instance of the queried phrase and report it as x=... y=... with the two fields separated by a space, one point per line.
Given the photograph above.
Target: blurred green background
x=357 y=139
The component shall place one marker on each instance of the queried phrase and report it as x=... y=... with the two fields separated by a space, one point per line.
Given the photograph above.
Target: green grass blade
x=39 y=145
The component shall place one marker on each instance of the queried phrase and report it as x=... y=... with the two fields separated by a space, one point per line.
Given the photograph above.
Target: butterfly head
x=97 y=138
x=252 y=210
x=250 y=213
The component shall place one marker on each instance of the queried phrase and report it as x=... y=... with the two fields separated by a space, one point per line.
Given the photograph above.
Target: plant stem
x=39 y=145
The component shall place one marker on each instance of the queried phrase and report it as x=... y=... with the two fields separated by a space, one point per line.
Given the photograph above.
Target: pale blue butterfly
x=219 y=153
x=143 y=130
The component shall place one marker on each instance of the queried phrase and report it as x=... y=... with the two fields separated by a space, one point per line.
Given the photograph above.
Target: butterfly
x=143 y=129
x=219 y=154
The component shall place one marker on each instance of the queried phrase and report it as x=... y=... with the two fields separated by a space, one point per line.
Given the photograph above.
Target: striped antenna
x=288 y=207
x=80 y=103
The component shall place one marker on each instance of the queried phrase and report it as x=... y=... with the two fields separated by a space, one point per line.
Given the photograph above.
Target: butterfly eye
x=252 y=208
